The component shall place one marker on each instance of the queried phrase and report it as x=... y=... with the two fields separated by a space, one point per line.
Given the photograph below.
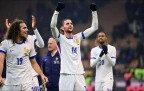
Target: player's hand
x=33 y=22
x=1 y=81
x=44 y=79
x=60 y=6
x=105 y=49
x=93 y=7
x=102 y=53
x=7 y=24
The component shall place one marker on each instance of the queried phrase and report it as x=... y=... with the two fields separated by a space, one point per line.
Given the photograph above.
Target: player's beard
x=68 y=31
x=23 y=38
x=101 y=42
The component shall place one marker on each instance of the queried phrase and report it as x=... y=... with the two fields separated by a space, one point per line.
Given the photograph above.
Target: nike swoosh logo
x=11 y=50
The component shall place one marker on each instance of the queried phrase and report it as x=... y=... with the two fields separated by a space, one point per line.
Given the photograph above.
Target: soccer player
x=38 y=41
x=103 y=57
x=72 y=71
x=20 y=57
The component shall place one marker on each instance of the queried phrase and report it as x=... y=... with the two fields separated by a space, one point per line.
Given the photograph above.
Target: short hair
x=14 y=30
x=96 y=41
x=62 y=23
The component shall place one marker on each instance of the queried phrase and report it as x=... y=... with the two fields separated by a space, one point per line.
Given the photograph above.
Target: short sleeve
x=3 y=46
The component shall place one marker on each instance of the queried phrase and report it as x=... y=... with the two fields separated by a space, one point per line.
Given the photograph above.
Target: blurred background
x=122 y=20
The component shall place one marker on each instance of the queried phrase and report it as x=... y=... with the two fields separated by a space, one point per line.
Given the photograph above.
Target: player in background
x=38 y=41
x=103 y=57
x=72 y=71
x=20 y=58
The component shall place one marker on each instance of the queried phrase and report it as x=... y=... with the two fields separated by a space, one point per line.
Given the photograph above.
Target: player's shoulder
x=95 y=48
x=31 y=37
x=6 y=41
x=3 y=41
x=110 y=46
x=78 y=34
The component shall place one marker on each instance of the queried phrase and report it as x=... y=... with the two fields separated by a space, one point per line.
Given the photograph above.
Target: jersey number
x=101 y=62
x=19 y=61
x=74 y=50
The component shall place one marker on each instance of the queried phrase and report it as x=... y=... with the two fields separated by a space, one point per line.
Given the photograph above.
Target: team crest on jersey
x=26 y=51
x=56 y=58
x=76 y=41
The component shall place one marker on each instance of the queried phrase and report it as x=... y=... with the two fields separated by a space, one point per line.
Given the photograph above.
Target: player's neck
x=103 y=44
x=18 y=39
x=68 y=35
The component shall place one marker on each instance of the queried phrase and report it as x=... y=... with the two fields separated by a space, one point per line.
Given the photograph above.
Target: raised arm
x=94 y=25
x=53 y=24
x=7 y=24
x=39 y=42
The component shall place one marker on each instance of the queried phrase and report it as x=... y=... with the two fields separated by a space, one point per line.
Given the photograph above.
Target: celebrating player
x=103 y=57
x=38 y=41
x=71 y=78
x=20 y=56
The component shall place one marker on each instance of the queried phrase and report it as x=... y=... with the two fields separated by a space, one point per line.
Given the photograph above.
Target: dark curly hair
x=14 y=30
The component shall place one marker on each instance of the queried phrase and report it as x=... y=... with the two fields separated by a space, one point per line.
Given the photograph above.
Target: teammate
x=72 y=71
x=38 y=41
x=20 y=57
x=103 y=57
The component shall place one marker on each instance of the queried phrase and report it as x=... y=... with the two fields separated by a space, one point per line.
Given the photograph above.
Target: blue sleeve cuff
x=83 y=35
x=35 y=40
x=113 y=57
x=93 y=58
x=59 y=35
x=3 y=51
x=32 y=57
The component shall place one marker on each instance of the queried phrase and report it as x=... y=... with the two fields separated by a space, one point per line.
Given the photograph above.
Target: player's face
x=51 y=44
x=101 y=38
x=68 y=26
x=23 y=30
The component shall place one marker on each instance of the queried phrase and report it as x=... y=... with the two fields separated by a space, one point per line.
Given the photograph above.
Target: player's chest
x=16 y=50
x=73 y=42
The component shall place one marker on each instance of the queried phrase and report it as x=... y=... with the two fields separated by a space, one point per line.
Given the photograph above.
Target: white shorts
x=72 y=83
x=104 y=86
x=35 y=84
x=23 y=87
